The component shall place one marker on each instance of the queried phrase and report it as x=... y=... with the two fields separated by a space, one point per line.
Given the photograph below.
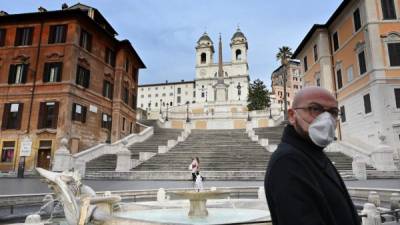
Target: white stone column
x=123 y=160
x=372 y=217
x=359 y=168
x=62 y=157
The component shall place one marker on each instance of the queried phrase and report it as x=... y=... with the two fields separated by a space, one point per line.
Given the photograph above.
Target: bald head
x=309 y=94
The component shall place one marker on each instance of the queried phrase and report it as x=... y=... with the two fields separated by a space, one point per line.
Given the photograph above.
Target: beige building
x=293 y=82
x=356 y=55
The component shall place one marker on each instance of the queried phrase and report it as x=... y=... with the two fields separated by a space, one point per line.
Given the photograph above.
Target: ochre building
x=356 y=55
x=63 y=75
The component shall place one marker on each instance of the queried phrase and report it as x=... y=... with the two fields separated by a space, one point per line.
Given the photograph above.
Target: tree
x=258 y=96
x=284 y=54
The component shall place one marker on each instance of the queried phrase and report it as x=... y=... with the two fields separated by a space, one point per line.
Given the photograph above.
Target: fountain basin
x=179 y=216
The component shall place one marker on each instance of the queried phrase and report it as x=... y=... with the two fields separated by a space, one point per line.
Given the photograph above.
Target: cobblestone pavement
x=10 y=186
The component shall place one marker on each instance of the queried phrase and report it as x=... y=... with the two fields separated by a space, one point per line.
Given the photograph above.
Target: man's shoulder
x=285 y=150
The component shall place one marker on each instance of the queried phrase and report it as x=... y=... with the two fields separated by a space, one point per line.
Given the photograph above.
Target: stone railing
x=63 y=160
x=380 y=157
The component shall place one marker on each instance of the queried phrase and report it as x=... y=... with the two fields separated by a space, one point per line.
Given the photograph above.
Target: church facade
x=231 y=77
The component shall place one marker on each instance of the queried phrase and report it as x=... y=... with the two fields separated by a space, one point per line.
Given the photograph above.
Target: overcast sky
x=165 y=32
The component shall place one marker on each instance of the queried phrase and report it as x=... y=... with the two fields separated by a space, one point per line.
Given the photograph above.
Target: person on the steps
x=194 y=167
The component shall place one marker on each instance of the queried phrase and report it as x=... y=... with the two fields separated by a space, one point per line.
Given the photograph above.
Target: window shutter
x=6 y=112
x=51 y=34
x=339 y=79
x=46 y=73
x=111 y=90
x=64 y=34
x=397 y=97
x=25 y=73
x=78 y=72
x=30 y=33
x=20 y=110
x=83 y=119
x=11 y=75
x=87 y=78
x=104 y=88
x=42 y=115
x=18 y=37
x=60 y=68
x=3 y=33
x=89 y=42
x=55 y=116
x=73 y=111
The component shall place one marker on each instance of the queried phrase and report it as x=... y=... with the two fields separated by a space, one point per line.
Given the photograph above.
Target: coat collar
x=314 y=152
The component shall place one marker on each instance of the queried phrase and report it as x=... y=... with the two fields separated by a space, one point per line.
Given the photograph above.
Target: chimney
x=182 y=80
x=64 y=6
x=3 y=13
x=41 y=9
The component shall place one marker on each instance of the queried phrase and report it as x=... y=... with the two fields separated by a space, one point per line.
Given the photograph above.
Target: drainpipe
x=34 y=76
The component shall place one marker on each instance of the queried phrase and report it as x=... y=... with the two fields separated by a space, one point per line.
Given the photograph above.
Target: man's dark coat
x=304 y=188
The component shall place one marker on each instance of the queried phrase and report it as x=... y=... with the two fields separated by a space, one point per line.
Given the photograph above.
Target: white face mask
x=322 y=129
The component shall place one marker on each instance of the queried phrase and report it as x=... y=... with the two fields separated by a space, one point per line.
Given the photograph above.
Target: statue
x=80 y=202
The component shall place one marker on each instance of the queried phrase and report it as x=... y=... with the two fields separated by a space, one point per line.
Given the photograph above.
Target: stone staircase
x=160 y=137
x=224 y=155
x=218 y=150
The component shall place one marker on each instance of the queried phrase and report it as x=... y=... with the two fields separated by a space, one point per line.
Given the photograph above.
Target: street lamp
x=160 y=106
x=166 y=116
x=187 y=112
x=239 y=90
x=270 y=113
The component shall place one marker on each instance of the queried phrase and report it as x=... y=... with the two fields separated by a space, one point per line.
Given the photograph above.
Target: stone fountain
x=82 y=206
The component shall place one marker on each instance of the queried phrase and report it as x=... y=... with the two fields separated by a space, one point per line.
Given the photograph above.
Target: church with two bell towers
x=215 y=82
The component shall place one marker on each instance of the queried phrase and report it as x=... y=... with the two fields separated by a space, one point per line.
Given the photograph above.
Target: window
x=48 y=115
x=125 y=95
x=171 y=94
x=178 y=99
x=106 y=121
x=156 y=104
x=388 y=10
x=238 y=55
x=156 y=95
x=203 y=58
x=85 y=40
x=149 y=95
x=194 y=94
x=12 y=116
x=110 y=57
x=18 y=73
x=350 y=74
x=24 y=36
x=342 y=114
x=123 y=123
x=305 y=64
x=83 y=77
x=79 y=113
x=315 y=53
x=357 y=20
x=7 y=151
x=339 y=78
x=367 y=104
x=127 y=65
x=58 y=34
x=397 y=97
x=163 y=94
x=335 y=41
x=131 y=128
x=108 y=89
x=179 y=91
x=142 y=96
x=361 y=62
x=170 y=103
x=394 y=54
x=2 y=37
x=52 y=72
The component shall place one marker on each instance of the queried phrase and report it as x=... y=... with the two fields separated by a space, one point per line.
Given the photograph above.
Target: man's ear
x=291 y=116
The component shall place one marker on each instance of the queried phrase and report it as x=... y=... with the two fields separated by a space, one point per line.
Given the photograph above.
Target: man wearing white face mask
x=302 y=185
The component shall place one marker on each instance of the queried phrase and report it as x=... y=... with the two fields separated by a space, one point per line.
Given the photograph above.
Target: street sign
x=26 y=147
